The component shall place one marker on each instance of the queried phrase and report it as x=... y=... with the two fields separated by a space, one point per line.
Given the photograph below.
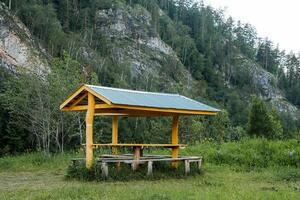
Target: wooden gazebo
x=106 y=101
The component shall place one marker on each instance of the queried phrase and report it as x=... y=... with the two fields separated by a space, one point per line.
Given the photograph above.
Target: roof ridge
x=134 y=91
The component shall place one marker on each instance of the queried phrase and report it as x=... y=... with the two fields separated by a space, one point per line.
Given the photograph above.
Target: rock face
x=17 y=47
x=266 y=83
x=135 y=43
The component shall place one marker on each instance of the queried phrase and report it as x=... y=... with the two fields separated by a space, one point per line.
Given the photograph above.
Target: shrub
x=249 y=154
x=289 y=174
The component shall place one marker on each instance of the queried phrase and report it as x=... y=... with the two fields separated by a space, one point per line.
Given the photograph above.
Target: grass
x=35 y=176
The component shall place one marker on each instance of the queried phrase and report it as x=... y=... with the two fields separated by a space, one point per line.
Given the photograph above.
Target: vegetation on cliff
x=158 y=45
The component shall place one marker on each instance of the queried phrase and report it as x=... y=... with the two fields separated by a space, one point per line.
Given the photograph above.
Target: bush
x=262 y=122
x=289 y=174
x=249 y=154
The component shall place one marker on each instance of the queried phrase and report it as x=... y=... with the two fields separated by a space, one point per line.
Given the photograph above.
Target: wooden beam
x=110 y=114
x=96 y=94
x=78 y=100
x=140 y=145
x=164 y=110
x=138 y=110
x=175 y=140
x=85 y=107
x=115 y=134
x=132 y=113
x=89 y=130
x=78 y=91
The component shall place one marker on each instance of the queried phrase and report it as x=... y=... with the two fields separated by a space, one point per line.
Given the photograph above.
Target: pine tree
x=263 y=123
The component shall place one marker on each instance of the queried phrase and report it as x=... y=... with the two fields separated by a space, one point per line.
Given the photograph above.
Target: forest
x=210 y=49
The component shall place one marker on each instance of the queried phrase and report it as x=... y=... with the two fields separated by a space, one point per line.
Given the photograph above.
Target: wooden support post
x=199 y=162
x=89 y=120
x=187 y=167
x=104 y=169
x=115 y=126
x=150 y=168
x=115 y=134
x=175 y=140
x=136 y=158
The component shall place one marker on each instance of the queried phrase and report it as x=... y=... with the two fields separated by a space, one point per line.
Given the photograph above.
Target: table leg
x=136 y=157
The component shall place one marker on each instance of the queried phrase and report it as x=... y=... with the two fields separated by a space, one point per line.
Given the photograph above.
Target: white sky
x=276 y=19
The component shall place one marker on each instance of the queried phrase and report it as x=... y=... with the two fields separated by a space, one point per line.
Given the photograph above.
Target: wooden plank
x=165 y=110
x=85 y=107
x=145 y=160
x=110 y=114
x=121 y=111
x=139 y=145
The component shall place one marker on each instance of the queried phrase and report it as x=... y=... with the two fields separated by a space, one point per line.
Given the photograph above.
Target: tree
x=263 y=123
x=33 y=104
x=268 y=56
x=220 y=126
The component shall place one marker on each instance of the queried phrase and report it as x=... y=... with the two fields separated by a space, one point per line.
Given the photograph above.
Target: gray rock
x=17 y=48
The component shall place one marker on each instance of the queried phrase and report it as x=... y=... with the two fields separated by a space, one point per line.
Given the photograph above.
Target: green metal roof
x=150 y=99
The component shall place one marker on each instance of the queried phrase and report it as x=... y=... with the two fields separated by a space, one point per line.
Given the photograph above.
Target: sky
x=276 y=19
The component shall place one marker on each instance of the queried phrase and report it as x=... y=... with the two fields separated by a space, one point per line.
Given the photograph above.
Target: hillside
x=17 y=45
x=159 y=45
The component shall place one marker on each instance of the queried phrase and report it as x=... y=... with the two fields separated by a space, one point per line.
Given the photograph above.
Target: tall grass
x=249 y=154
x=35 y=161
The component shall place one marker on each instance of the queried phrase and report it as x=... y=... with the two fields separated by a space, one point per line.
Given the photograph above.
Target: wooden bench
x=149 y=160
x=138 y=148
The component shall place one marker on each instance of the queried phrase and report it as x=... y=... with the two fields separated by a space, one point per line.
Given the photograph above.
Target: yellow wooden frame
x=107 y=108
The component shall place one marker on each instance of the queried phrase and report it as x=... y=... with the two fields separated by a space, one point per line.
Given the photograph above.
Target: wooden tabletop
x=140 y=145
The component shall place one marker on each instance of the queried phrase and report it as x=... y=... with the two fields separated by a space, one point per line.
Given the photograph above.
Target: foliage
x=33 y=104
x=263 y=123
x=249 y=154
x=210 y=48
x=220 y=126
x=289 y=174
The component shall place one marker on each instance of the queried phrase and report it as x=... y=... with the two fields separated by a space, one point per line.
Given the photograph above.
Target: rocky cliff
x=136 y=47
x=266 y=85
x=135 y=44
x=17 y=47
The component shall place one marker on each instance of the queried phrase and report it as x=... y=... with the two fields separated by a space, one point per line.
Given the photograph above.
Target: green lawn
x=35 y=176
